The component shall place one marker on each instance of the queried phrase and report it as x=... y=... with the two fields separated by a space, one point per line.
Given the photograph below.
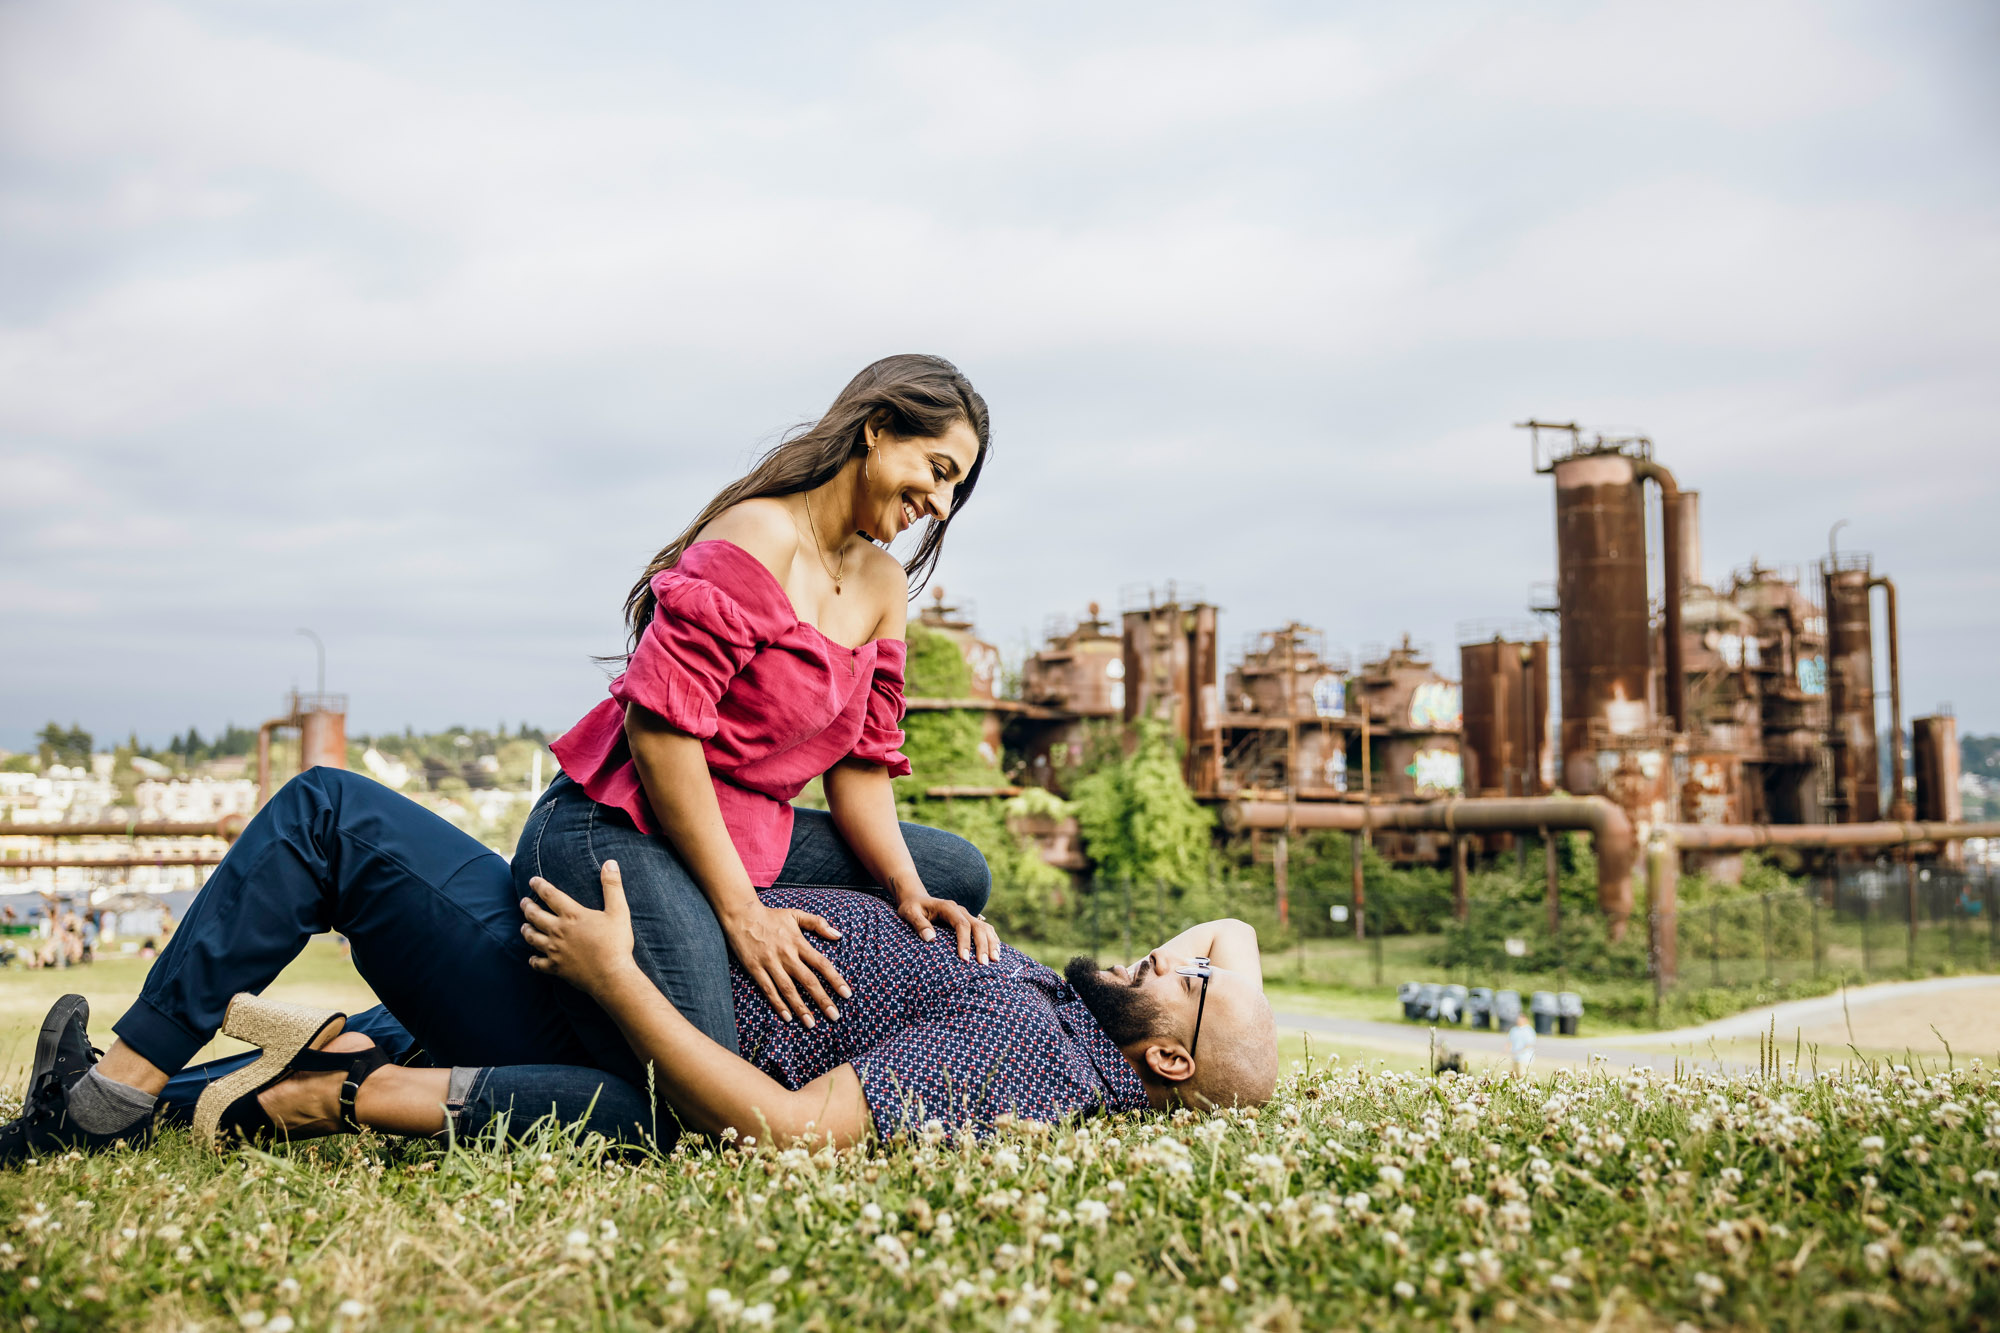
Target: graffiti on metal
x=1330 y=697
x=1436 y=704
x=1812 y=675
x=1437 y=770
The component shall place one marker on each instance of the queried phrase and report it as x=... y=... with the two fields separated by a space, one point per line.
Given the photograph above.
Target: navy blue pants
x=676 y=938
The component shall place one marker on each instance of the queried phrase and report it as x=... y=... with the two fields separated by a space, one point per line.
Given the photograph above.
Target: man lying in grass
x=929 y=1032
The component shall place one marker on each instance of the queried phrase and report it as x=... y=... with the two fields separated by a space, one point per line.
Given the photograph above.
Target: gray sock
x=99 y=1106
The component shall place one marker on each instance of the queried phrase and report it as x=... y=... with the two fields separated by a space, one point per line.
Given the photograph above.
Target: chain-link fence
x=1865 y=923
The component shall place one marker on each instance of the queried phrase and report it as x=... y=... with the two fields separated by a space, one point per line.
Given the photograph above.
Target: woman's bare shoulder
x=761 y=526
x=888 y=587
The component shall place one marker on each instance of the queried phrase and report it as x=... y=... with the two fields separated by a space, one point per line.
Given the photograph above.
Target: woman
x=767 y=650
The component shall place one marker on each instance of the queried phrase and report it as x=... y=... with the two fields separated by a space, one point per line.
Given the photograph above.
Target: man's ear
x=1169 y=1062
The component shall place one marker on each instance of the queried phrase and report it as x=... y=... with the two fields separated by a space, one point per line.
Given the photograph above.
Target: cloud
x=427 y=328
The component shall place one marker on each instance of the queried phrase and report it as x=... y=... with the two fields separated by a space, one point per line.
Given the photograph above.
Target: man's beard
x=1125 y=1013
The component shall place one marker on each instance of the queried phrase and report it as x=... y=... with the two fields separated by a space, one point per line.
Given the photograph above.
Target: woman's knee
x=950 y=867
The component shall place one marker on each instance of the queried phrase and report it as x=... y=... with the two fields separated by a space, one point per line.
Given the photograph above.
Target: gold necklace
x=836 y=574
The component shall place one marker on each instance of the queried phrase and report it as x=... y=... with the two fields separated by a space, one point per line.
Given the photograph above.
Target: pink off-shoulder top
x=774 y=702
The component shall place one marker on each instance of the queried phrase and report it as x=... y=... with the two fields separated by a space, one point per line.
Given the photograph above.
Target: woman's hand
x=770 y=945
x=588 y=949
x=975 y=936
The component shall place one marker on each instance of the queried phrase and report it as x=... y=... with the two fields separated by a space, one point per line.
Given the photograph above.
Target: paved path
x=1566 y=1050
x=1924 y=1017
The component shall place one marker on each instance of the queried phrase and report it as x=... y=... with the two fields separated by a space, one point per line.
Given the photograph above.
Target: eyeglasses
x=1200 y=967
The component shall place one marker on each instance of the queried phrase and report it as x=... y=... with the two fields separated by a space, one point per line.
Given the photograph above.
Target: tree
x=71 y=747
x=1138 y=818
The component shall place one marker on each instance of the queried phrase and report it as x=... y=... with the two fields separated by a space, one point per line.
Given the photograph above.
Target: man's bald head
x=1208 y=1045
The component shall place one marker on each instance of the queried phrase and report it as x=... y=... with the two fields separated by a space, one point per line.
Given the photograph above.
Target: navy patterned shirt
x=933 y=1037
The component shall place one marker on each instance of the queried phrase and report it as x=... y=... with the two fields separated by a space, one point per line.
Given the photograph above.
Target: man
x=1521 y=1041
x=438 y=934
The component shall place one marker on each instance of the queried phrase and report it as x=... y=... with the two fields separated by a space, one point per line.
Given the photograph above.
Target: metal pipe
x=1663 y=871
x=1610 y=829
x=110 y=862
x=1883 y=833
x=1672 y=562
x=1899 y=801
x=229 y=826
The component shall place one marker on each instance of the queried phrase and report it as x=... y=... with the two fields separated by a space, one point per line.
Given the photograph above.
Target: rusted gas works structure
x=1505 y=679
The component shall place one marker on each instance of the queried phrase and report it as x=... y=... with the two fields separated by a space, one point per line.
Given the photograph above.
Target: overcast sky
x=425 y=325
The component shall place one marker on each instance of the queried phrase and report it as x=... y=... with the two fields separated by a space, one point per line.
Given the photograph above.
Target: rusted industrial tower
x=1170 y=675
x=1506 y=708
x=1615 y=741
x=1855 y=795
x=320 y=720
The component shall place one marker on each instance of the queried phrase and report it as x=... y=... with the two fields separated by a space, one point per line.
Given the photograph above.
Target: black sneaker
x=63 y=1054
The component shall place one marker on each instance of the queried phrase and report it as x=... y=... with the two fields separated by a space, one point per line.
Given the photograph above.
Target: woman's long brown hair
x=910 y=396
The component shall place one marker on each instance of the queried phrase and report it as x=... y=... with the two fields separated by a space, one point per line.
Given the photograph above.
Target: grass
x=1367 y=1194
x=1357 y=1198
x=321 y=975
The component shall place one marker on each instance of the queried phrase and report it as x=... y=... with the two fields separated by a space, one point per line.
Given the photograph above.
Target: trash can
x=1406 y=995
x=1505 y=1006
x=1569 y=1012
x=1427 y=1001
x=1542 y=1008
x=1479 y=1007
x=1451 y=1009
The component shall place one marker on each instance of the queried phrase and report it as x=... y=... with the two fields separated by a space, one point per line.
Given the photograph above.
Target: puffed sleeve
x=713 y=616
x=882 y=724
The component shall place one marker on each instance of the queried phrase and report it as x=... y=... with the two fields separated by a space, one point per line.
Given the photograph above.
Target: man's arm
x=1229 y=944
x=711 y=1089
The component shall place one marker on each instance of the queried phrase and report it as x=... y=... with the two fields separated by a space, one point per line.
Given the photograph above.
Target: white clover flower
x=720 y=1298
x=1228 y=1284
x=1472 y=1206
x=1122 y=1280
x=1092 y=1212
x=1404 y=1291
x=288 y=1289
x=1391 y=1177
x=351 y=1309
x=1050 y=1241
x=279 y=1323
x=1731 y=1177
x=677 y=1286
x=1561 y=1282
x=758 y=1315
x=248 y=1319
x=576 y=1245
x=871 y=1212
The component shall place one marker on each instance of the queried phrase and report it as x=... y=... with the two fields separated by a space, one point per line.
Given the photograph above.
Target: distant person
x=1521 y=1040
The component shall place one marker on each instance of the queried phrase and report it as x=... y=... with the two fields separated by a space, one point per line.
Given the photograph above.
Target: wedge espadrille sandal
x=284 y=1032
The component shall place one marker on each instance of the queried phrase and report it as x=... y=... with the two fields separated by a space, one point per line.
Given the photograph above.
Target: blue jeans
x=677 y=940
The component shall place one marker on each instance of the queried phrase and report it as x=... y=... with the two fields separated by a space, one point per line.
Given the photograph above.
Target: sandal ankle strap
x=364 y=1063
